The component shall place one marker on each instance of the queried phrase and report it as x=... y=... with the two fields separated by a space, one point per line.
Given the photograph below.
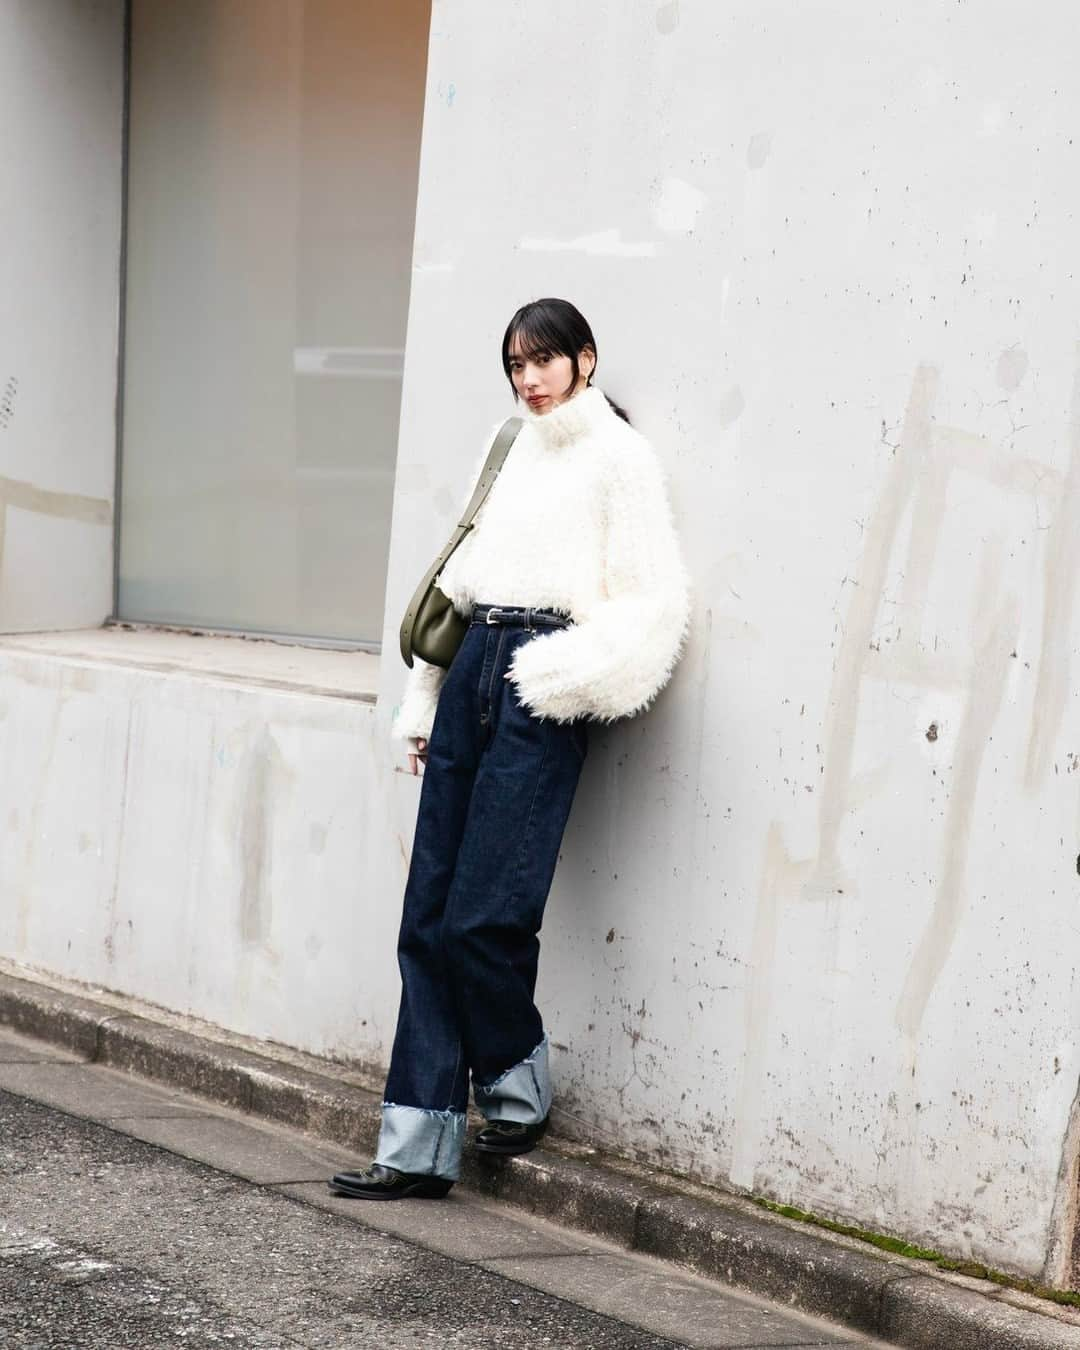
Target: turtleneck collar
x=580 y=416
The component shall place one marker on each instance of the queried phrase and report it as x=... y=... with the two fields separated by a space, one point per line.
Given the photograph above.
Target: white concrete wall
x=206 y=825
x=61 y=107
x=811 y=933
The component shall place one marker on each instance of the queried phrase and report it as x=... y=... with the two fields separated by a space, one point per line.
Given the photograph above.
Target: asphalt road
x=115 y=1242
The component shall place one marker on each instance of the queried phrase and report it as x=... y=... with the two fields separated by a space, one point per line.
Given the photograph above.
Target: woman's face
x=543 y=378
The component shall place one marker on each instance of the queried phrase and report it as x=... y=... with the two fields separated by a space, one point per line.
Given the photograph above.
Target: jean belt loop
x=528 y=622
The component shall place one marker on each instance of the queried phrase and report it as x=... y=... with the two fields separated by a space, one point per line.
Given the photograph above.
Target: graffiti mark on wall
x=7 y=401
x=1061 y=561
x=926 y=458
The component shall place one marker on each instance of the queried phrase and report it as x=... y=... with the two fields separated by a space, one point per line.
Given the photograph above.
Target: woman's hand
x=417 y=751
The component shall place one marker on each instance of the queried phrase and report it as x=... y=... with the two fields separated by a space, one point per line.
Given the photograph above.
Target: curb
x=715 y=1235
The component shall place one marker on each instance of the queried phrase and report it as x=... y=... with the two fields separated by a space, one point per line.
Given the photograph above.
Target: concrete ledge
x=154 y=1051
x=927 y=1314
x=790 y=1264
x=64 y=1019
x=269 y=662
x=722 y=1237
x=576 y=1193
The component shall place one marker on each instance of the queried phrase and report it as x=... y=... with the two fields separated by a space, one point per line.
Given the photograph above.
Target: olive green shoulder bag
x=432 y=628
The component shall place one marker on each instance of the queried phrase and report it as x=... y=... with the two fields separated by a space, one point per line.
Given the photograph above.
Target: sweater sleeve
x=419 y=699
x=615 y=659
x=415 y=714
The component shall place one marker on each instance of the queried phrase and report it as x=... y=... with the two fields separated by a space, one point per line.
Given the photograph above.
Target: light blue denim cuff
x=522 y=1093
x=427 y=1143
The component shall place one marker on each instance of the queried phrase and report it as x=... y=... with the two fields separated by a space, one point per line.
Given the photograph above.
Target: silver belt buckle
x=493 y=610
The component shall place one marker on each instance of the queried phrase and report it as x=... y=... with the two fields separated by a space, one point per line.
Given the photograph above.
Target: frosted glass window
x=273 y=158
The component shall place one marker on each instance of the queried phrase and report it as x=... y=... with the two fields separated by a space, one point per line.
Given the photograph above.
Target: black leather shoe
x=509 y=1138
x=387 y=1183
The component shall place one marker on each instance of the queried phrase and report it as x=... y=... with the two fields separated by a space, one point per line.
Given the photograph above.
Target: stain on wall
x=263 y=776
x=63 y=505
x=1062 y=560
x=667 y=18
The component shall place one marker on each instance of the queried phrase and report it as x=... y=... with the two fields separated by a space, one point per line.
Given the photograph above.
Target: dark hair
x=554 y=326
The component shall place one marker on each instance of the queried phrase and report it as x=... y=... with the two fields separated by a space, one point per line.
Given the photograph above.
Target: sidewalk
x=134 y=1217
x=610 y=1215
x=110 y=1243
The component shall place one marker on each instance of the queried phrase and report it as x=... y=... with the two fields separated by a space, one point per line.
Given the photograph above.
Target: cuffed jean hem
x=521 y=1094
x=427 y=1143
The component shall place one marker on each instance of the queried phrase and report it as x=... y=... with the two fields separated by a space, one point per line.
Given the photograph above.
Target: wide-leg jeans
x=496 y=794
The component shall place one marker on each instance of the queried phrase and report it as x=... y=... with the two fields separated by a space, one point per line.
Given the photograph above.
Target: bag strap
x=494 y=462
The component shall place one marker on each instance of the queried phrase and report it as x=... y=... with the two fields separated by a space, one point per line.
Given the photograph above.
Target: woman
x=578 y=600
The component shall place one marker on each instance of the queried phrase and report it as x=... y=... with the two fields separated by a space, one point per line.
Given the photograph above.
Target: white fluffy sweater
x=578 y=519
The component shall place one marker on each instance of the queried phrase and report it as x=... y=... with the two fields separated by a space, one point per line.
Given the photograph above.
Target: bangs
x=536 y=335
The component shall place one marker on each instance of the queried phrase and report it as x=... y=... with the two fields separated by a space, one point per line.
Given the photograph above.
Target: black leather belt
x=520 y=616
